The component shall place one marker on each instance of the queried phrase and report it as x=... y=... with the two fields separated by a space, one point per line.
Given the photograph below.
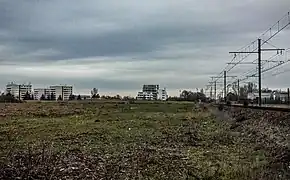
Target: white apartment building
x=145 y=96
x=152 y=92
x=16 y=89
x=162 y=95
x=64 y=91
x=42 y=91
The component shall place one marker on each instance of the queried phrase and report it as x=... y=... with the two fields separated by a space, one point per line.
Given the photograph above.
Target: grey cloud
x=131 y=40
x=174 y=32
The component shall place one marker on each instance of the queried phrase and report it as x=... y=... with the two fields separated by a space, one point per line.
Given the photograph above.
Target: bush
x=9 y=98
x=246 y=103
x=221 y=107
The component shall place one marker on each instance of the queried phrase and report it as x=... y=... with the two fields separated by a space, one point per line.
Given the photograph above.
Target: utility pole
x=19 y=93
x=210 y=92
x=62 y=93
x=259 y=52
x=211 y=88
x=288 y=100
x=215 y=83
x=259 y=72
x=238 y=89
x=225 y=85
x=215 y=91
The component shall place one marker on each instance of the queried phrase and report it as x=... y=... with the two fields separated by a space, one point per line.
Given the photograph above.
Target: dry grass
x=123 y=141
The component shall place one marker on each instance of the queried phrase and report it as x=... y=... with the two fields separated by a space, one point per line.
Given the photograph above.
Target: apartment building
x=145 y=96
x=63 y=91
x=162 y=95
x=54 y=92
x=151 y=89
x=19 y=89
x=152 y=92
x=38 y=92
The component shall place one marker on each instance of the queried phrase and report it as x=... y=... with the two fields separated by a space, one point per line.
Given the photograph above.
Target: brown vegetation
x=114 y=140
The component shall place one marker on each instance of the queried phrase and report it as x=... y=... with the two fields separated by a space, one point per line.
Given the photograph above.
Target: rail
x=266 y=108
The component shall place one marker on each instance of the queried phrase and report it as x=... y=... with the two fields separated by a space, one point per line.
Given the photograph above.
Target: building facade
x=19 y=90
x=149 y=90
x=152 y=92
x=255 y=95
x=54 y=92
x=145 y=96
x=162 y=95
x=39 y=92
x=62 y=91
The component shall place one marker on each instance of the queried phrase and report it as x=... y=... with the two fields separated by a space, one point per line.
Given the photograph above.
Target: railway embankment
x=268 y=130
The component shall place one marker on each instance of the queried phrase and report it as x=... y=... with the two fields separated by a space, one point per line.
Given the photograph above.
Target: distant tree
x=95 y=96
x=27 y=96
x=71 y=97
x=232 y=97
x=117 y=97
x=198 y=96
x=244 y=92
x=48 y=97
x=8 y=94
x=94 y=92
x=191 y=96
x=79 y=97
x=32 y=97
x=59 y=98
x=42 y=97
x=126 y=98
x=52 y=96
x=8 y=98
x=252 y=87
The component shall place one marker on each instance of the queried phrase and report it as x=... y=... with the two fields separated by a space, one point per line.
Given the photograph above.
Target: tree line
x=189 y=96
x=8 y=97
x=184 y=96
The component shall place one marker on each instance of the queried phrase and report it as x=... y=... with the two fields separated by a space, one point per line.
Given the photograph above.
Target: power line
x=253 y=46
x=256 y=47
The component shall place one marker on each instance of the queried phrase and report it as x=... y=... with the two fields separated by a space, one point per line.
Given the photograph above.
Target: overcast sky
x=117 y=46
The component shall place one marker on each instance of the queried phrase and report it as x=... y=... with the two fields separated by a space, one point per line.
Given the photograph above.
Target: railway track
x=280 y=108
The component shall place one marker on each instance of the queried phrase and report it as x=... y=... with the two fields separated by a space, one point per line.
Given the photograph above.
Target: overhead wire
x=264 y=39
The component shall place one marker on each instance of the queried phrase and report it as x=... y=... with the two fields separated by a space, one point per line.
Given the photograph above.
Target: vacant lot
x=125 y=141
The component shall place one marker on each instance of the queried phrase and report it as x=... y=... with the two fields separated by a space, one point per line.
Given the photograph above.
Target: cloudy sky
x=117 y=46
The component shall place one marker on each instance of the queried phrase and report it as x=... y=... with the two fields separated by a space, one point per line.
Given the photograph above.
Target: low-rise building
x=255 y=95
x=84 y=97
x=273 y=95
